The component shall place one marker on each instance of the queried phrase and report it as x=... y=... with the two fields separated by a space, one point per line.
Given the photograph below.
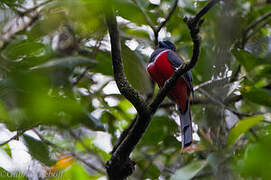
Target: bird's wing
x=175 y=62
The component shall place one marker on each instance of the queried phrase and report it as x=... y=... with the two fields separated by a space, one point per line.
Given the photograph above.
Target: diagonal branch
x=246 y=36
x=205 y=9
x=124 y=86
x=168 y=16
x=257 y=22
x=156 y=31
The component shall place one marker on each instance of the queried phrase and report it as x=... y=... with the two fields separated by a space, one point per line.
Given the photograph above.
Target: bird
x=162 y=64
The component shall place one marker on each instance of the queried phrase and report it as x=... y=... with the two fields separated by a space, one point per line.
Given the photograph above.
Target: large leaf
x=254 y=163
x=242 y=127
x=135 y=71
x=189 y=171
x=128 y=10
x=257 y=95
x=66 y=62
x=39 y=150
x=20 y=49
x=248 y=60
x=160 y=128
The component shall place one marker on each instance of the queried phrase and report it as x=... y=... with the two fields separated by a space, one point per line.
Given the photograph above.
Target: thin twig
x=224 y=106
x=149 y=21
x=257 y=22
x=28 y=11
x=94 y=54
x=206 y=8
x=245 y=37
x=208 y=83
x=258 y=28
x=85 y=146
x=156 y=31
x=87 y=163
x=74 y=154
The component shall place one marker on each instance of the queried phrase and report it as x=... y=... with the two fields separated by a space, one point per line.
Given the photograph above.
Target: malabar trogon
x=162 y=64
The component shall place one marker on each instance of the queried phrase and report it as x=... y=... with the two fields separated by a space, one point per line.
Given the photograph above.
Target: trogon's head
x=167 y=44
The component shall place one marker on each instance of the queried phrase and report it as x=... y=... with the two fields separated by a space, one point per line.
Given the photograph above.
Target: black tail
x=186 y=127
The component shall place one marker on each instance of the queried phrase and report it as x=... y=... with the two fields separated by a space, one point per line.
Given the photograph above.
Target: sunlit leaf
x=242 y=127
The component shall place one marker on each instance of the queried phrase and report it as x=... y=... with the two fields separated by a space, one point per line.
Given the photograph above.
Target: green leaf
x=189 y=171
x=104 y=65
x=242 y=127
x=248 y=60
x=66 y=62
x=152 y=172
x=257 y=95
x=136 y=33
x=48 y=24
x=130 y=11
x=253 y=163
x=136 y=71
x=39 y=150
x=159 y=129
x=23 y=49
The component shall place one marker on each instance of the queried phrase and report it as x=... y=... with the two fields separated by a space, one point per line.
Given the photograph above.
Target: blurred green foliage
x=56 y=76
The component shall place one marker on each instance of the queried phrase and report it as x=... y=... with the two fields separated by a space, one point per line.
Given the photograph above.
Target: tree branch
x=205 y=9
x=120 y=166
x=212 y=81
x=124 y=86
x=94 y=54
x=201 y=101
